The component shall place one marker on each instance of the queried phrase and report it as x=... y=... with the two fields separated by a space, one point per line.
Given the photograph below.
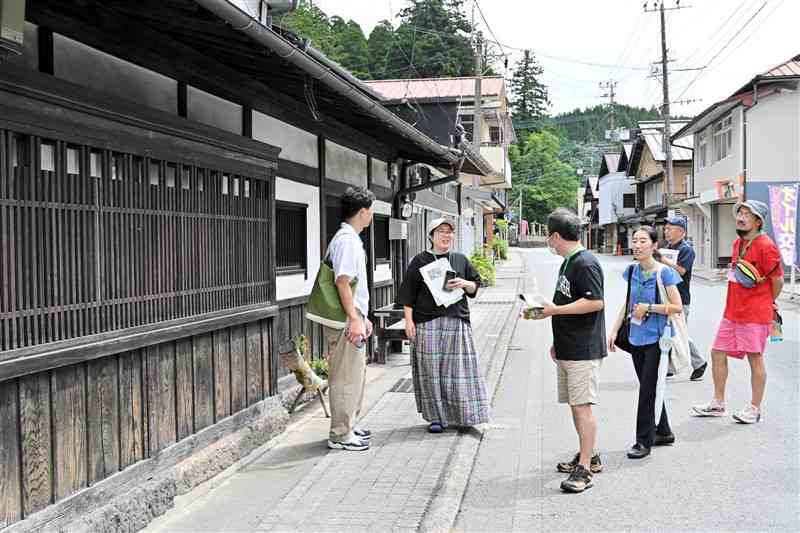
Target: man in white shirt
x=347 y=359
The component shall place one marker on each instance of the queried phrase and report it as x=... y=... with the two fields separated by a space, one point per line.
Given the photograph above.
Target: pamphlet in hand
x=433 y=275
x=534 y=303
x=669 y=253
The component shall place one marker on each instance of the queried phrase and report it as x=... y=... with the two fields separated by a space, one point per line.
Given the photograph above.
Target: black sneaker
x=697 y=375
x=596 y=466
x=578 y=481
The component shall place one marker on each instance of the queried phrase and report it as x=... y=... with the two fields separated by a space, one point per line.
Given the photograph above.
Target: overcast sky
x=619 y=32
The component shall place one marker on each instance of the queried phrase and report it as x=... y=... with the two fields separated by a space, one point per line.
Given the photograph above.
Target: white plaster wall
x=729 y=168
x=89 y=67
x=380 y=170
x=382 y=208
x=612 y=188
x=345 y=165
x=773 y=138
x=298 y=146
x=295 y=285
x=212 y=110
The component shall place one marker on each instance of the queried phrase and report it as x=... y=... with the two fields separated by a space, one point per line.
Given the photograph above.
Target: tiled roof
x=789 y=68
x=436 y=87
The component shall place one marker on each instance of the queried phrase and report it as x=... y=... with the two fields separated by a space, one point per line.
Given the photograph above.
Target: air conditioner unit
x=278 y=7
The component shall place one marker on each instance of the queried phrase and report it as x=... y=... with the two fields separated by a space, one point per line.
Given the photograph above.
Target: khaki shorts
x=579 y=381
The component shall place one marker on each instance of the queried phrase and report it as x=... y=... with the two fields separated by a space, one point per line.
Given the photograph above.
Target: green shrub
x=500 y=247
x=320 y=367
x=484 y=267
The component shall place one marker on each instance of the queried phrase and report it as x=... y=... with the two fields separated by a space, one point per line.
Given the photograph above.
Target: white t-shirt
x=349 y=259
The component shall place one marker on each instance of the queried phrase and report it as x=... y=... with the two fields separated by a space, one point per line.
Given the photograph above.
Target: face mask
x=550 y=247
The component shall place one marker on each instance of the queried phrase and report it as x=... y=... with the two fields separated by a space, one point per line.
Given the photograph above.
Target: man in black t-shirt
x=579 y=341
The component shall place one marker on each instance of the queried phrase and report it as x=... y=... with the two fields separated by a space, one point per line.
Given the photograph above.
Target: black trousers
x=646 y=360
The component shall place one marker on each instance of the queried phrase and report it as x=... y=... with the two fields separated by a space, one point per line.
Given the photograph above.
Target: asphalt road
x=719 y=475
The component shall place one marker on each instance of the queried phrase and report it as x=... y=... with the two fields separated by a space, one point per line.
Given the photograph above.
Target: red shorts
x=740 y=338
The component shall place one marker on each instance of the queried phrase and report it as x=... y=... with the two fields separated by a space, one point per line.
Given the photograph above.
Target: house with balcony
x=435 y=106
x=647 y=167
x=743 y=146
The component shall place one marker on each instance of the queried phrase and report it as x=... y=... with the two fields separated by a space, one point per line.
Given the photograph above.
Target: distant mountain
x=589 y=125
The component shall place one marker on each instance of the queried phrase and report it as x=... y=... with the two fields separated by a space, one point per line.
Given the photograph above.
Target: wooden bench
x=390 y=326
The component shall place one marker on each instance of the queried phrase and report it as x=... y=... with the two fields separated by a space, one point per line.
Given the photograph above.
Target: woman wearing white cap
x=448 y=385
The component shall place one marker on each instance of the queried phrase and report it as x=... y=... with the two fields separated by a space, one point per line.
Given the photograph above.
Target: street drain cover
x=403 y=385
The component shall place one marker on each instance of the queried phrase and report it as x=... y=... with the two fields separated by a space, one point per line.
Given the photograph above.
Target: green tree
x=544 y=181
x=378 y=47
x=351 y=51
x=529 y=99
x=310 y=22
x=434 y=36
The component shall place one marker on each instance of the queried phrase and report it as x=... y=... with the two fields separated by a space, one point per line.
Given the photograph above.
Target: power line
x=711 y=39
x=491 y=31
x=542 y=54
x=755 y=30
x=738 y=32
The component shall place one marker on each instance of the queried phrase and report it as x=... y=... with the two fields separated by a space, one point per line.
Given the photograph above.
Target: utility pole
x=476 y=125
x=665 y=105
x=609 y=86
x=476 y=108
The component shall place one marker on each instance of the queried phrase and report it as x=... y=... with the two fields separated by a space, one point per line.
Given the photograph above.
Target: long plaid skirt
x=448 y=384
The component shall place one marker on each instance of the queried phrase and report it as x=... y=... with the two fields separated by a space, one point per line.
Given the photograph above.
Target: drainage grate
x=403 y=385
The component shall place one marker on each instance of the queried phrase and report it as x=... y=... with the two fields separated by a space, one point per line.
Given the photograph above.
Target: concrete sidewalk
x=294 y=483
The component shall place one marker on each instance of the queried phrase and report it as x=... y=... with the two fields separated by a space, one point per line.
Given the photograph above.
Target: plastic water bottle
x=776 y=334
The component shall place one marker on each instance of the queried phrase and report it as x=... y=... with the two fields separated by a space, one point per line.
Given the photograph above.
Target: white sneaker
x=712 y=408
x=748 y=415
x=362 y=433
x=353 y=444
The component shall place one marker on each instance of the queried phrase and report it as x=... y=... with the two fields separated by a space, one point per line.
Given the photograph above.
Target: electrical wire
x=711 y=61
x=491 y=31
x=743 y=41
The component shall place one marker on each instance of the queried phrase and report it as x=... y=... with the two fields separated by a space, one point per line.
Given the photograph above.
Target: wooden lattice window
x=95 y=241
x=291 y=237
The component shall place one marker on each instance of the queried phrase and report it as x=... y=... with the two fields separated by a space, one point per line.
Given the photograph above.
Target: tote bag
x=678 y=341
x=324 y=306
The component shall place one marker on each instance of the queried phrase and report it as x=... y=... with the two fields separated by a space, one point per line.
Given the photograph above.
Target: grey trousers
x=697 y=358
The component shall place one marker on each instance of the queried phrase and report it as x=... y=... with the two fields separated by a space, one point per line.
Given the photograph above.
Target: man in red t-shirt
x=749 y=310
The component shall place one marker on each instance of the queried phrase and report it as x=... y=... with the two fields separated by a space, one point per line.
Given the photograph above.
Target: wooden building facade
x=168 y=186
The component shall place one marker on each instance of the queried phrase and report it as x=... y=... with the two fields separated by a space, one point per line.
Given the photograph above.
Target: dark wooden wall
x=68 y=428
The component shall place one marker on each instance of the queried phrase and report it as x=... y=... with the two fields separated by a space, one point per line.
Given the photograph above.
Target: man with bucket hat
x=755 y=279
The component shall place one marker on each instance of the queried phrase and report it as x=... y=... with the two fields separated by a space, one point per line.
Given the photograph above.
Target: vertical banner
x=783 y=212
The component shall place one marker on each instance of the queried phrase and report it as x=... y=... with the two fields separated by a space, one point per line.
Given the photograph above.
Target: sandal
x=435 y=427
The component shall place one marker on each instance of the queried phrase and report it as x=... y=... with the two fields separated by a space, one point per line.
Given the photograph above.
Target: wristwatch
x=649 y=308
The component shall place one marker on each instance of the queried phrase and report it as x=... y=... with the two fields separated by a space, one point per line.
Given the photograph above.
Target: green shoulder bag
x=324 y=306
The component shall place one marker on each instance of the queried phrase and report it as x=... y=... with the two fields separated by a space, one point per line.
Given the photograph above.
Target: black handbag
x=623 y=335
